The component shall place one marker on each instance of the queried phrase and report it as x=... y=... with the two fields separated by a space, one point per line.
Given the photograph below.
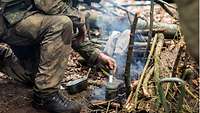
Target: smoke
x=112 y=23
x=117 y=47
x=115 y=27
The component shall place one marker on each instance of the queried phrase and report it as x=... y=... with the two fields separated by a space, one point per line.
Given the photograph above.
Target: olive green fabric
x=10 y=65
x=17 y=10
x=50 y=34
x=189 y=16
x=53 y=34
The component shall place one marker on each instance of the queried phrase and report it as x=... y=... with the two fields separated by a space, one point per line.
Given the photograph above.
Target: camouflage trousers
x=40 y=45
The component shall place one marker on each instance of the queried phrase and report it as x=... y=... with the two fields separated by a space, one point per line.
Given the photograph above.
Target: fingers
x=115 y=67
x=112 y=64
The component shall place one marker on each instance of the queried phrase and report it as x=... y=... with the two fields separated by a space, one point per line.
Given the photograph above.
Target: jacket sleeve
x=87 y=50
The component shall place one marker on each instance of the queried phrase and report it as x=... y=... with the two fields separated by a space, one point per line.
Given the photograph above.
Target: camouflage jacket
x=16 y=10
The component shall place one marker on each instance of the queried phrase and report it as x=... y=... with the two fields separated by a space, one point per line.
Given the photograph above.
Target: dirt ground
x=15 y=98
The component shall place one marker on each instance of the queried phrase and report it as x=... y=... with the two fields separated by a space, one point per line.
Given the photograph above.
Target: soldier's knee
x=67 y=29
x=66 y=21
x=62 y=26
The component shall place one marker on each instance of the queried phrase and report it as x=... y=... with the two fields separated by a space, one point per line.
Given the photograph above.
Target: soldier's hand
x=109 y=62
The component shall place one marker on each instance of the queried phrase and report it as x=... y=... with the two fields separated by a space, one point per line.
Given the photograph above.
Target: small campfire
x=154 y=71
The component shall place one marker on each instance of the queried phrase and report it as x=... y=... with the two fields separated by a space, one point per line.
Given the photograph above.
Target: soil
x=15 y=98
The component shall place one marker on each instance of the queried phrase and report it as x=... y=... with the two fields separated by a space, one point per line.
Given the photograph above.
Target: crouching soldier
x=41 y=37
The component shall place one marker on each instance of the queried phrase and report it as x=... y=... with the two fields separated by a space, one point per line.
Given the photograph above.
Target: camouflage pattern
x=10 y=65
x=50 y=40
x=17 y=10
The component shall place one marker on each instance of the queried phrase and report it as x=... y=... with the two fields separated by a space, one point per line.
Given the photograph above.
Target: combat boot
x=55 y=103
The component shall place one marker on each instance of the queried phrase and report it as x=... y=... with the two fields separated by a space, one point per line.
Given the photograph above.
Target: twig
x=129 y=98
x=157 y=63
x=144 y=70
x=167 y=4
x=116 y=109
x=190 y=93
x=157 y=56
x=108 y=107
x=145 y=83
x=150 y=34
x=182 y=92
x=120 y=7
x=129 y=56
x=187 y=107
x=168 y=10
x=181 y=48
x=167 y=88
x=89 y=70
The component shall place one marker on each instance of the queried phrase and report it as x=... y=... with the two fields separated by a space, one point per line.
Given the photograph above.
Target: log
x=168 y=34
x=169 y=30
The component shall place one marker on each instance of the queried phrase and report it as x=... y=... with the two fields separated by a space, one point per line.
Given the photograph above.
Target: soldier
x=41 y=30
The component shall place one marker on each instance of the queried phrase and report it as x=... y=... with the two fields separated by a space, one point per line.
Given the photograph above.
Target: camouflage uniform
x=41 y=37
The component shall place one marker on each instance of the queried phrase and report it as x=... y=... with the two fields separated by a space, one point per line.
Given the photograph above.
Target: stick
x=182 y=92
x=129 y=56
x=157 y=55
x=150 y=27
x=108 y=107
x=163 y=2
x=104 y=103
x=167 y=87
x=156 y=63
x=181 y=44
x=167 y=10
x=129 y=98
x=144 y=70
x=145 y=83
x=190 y=93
